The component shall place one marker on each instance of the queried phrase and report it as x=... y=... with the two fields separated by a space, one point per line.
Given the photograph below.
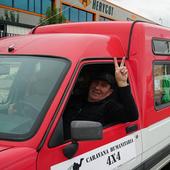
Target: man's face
x=99 y=90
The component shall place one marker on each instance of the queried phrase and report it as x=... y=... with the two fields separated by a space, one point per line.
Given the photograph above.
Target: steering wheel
x=29 y=106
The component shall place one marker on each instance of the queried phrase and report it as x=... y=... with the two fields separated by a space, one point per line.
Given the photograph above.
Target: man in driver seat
x=109 y=100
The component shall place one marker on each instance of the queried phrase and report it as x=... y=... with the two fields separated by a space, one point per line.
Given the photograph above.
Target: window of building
x=89 y=17
x=6 y=2
x=31 y=5
x=37 y=6
x=21 y=4
x=65 y=12
x=45 y=5
x=82 y=16
x=76 y=15
x=104 y=19
x=161 y=84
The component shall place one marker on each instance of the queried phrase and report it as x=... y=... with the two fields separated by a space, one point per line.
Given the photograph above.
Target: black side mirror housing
x=86 y=130
x=81 y=131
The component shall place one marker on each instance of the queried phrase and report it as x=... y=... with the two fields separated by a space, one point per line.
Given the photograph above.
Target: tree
x=52 y=17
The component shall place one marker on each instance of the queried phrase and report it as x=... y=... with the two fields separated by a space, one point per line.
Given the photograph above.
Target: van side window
x=97 y=97
x=78 y=98
x=161 y=47
x=161 y=84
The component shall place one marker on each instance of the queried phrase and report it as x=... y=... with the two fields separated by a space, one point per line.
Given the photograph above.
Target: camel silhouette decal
x=76 y=166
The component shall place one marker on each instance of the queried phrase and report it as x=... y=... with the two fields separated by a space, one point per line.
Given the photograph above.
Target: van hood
x=17 y=157
x=2 y=148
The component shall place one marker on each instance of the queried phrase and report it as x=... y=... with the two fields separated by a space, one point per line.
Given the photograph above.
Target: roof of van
x=109 y=27
x=76 y=41
x=119 y=28
x=72 y=46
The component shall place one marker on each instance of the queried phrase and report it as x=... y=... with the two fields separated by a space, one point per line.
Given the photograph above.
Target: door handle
x=131 y=128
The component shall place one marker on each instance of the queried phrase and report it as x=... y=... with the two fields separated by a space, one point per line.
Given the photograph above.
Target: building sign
x=99 y=6
x=102 y=7
x=85 y=3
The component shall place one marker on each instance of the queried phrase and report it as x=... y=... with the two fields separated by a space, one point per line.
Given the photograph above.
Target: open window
x=85 y=76
x=121 y=107
x=80 y=90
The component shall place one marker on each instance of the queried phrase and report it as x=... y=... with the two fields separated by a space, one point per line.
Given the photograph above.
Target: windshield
x=26 y=86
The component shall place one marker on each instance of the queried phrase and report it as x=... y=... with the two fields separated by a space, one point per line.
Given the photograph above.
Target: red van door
x=120 y=145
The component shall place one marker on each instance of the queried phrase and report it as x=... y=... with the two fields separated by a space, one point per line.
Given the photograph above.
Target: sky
x=156 y=10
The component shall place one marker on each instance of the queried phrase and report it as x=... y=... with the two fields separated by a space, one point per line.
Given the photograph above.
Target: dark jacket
x=111 y=110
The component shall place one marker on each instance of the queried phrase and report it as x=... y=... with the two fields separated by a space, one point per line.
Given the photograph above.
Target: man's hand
x=121 y=73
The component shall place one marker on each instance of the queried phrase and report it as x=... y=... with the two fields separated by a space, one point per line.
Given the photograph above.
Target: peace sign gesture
x=121 y=73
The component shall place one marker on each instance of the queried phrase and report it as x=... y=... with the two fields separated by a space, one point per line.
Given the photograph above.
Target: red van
x=41 y=71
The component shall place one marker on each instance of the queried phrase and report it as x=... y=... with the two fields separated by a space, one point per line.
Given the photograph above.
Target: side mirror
x=86 y=130
x=81 y=131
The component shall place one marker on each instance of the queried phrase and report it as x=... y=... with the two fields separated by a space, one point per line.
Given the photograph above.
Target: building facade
x=95 y=10
x=20 y=16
